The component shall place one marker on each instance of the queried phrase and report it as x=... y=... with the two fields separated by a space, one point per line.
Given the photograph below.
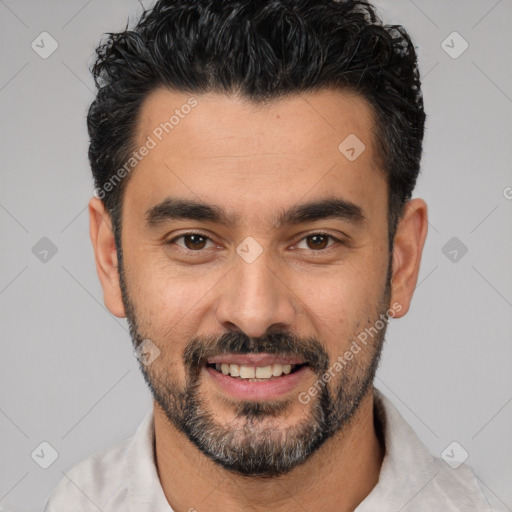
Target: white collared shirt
x=124 y=477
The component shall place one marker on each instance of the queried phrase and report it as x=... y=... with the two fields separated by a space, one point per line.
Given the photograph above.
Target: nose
x=255 y=298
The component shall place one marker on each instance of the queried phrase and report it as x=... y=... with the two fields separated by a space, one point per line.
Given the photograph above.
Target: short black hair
x=262 y=50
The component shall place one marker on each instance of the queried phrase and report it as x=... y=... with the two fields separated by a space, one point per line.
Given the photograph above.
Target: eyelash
x=190 y=251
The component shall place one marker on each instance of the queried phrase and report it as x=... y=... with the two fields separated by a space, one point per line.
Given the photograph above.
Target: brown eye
x=192 y=241
x=317 y=241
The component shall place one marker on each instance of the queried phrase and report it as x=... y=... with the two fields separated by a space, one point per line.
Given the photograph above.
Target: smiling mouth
x=253 y=373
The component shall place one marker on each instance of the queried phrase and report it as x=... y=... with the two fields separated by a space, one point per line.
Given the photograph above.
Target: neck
x=337 y=477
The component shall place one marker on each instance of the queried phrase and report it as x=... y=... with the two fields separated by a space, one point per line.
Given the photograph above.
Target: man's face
x=249 y=294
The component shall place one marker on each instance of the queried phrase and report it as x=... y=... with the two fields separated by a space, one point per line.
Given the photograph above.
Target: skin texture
x=256 y=161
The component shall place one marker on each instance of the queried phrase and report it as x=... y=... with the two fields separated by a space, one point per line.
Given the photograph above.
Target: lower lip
x=247 y=390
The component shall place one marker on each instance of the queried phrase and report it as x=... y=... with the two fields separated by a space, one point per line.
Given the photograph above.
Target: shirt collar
x=144 y=491
x=411 y=478
x=406 y=460
x=407 y=476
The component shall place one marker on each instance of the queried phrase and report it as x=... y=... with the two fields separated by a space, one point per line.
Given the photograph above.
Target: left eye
x=197 y=242
x=319 y=241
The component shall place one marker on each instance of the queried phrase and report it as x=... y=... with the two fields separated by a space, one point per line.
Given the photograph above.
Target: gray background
x=67 y=372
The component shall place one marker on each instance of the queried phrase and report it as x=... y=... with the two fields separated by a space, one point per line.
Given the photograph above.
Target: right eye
x=193 y=242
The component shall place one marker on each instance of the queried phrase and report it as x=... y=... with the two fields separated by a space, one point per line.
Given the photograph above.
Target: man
x=254 y=165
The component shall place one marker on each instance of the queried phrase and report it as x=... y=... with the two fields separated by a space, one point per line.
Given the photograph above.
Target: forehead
x=303 y=122
x=228 y=150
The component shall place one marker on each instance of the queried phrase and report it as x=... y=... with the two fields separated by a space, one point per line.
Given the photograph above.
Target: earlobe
x=407 y=250
x=105 y=255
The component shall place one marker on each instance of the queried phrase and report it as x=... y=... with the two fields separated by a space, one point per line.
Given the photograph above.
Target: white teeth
x=254 y=372
x=263 y=372
x=277 y=369
x=247 y=372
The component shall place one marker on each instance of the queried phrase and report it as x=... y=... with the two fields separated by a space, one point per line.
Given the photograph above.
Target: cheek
x=163 y=312
x=342 y=292
x=169 y=306
x=343 y=302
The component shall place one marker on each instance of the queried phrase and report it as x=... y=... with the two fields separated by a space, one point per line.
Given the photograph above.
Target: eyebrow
x=187 y=209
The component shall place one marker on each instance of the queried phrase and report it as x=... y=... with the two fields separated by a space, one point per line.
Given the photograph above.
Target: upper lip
x=254 y=359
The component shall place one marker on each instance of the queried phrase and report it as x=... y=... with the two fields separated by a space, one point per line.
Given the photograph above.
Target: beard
x=256 y=443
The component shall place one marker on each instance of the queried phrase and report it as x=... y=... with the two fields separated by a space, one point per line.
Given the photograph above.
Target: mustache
x=199 y=350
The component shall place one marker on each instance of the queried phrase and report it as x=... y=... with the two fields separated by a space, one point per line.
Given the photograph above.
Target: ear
x=407 y=250
x=105 y=255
